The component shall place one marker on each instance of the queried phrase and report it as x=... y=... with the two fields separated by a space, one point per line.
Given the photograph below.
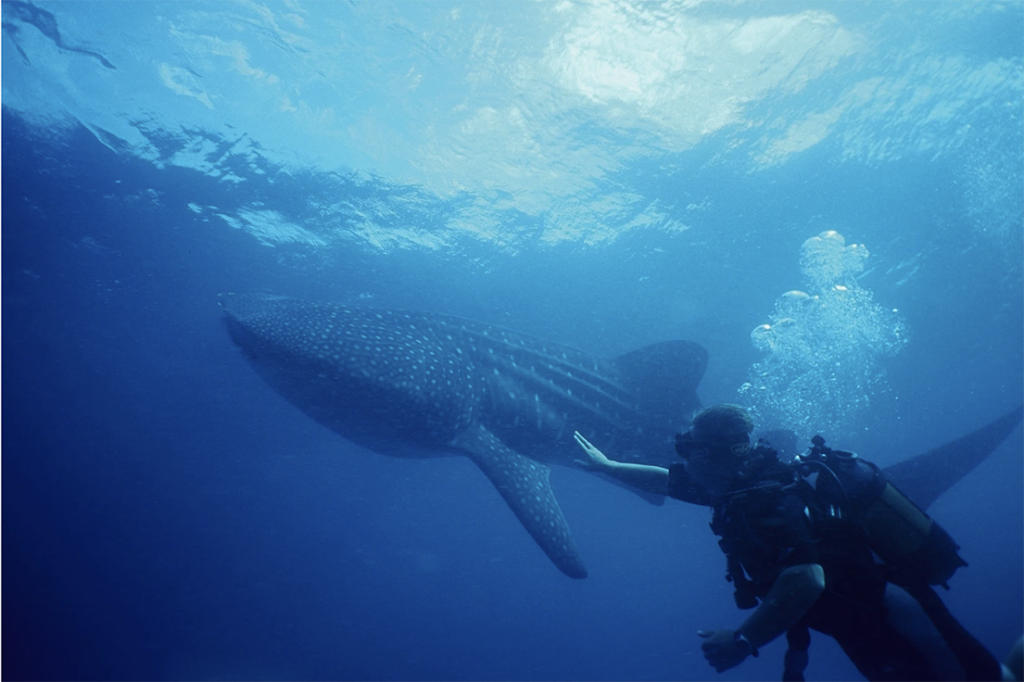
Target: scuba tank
x=916 y=550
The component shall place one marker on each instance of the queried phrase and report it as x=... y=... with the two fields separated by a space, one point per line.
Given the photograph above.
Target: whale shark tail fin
x=926 y=477
x=664 y=377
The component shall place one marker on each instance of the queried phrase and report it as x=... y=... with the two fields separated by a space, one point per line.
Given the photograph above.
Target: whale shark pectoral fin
x=524 y=484
x=651 y=498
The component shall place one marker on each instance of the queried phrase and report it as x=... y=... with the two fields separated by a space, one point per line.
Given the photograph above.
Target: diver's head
x=725 y=427
x=717 y=445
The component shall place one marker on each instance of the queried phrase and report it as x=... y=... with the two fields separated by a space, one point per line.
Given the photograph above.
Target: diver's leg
x=907 y=617
x=978 y=662
x=1013 y=666
x=882 y=653
x=795 y=662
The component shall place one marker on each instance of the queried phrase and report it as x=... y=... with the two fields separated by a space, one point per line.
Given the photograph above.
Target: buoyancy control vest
x=775 y=515
x=849 y=493
x=914 y=548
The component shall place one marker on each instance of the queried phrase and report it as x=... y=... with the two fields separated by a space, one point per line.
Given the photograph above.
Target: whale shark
x=411 y=384
x=420 y=385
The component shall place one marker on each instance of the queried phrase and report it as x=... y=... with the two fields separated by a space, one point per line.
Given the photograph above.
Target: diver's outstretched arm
x=642 y=476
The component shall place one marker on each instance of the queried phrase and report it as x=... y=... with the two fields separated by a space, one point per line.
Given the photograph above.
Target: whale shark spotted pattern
x=419 y=385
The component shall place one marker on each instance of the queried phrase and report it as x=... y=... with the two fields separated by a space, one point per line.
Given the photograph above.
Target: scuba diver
x=800 y=541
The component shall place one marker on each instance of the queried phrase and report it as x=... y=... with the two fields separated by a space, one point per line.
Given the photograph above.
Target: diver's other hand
x=722 y=650
x=595 y=458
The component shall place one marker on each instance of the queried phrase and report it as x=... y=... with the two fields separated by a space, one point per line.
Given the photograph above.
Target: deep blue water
x=590 y=174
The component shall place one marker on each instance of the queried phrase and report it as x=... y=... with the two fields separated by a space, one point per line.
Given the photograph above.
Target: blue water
x=600 y=175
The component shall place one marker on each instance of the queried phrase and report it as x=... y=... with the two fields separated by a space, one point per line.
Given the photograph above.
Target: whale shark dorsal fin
x=926 y=477
x=664 y=377
x=523 y=483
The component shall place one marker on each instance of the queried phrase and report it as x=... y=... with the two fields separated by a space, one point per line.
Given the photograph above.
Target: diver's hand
x=722 y=650
x=595 y=458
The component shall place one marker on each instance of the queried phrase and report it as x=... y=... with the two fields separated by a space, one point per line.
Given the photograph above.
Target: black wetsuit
x=774 y=522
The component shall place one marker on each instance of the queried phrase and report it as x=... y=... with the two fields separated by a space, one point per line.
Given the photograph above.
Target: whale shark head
x=376 y=376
